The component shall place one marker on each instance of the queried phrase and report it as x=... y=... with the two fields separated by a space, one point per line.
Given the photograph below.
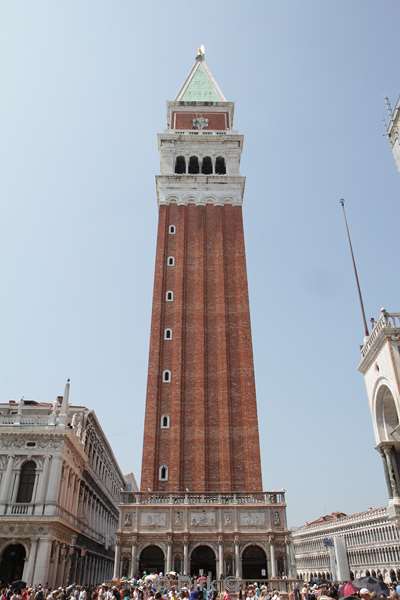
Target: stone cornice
x=200 y=189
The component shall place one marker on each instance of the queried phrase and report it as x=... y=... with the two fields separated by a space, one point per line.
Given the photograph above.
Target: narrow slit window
x=172 y=229
x=171 y=261
x=166 y=376
x=206 y=166
x=163 y=474
x=194 y=165
x=169 y=296
x=168 y=334
x=165 y=422
x=220 y=167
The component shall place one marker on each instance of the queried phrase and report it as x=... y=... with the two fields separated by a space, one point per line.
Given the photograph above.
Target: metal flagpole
x=355 y=271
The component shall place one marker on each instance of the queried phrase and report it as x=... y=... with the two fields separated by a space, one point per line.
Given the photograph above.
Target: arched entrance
x=202 y=561
x=254 y=563
x=12 y=563
x=151 y=560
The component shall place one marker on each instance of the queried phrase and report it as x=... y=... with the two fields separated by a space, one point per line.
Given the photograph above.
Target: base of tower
x=215 y=535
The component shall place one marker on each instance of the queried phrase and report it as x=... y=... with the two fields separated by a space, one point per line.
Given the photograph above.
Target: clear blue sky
x=84 y=85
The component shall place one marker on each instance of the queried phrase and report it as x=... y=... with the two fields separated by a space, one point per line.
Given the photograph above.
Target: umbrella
x=373 y=585
x=18 y=585
x=347 y=589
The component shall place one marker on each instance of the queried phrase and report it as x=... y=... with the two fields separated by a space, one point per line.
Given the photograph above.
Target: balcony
x=21 y=509
x=387 y=324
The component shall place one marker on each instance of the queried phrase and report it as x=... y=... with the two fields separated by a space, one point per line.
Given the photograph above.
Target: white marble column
x=41 y=494
x=54 y=570
x=54 y=485
x=272 y=558
x=117 y=559
x=6 y=484
x=168 y=566
x=41 y=574
x=238 y=570
x=30 y=563
x=133 y=560
x=63 y=565
x=185 y=557
x=220 y=559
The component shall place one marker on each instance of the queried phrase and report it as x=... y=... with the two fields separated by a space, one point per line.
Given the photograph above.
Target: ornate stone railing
x=387 y=321
x=23 y=420
x=19 y=508
x=207 y=498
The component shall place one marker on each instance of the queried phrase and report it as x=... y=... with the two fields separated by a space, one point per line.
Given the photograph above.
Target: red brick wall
x=212 y=443
x=184 y=120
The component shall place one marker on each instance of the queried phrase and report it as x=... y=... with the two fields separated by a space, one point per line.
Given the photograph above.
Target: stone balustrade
x=208 y=498
x=388 y=323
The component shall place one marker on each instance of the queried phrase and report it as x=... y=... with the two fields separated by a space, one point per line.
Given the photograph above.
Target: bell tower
x=201 y=509
x=380 y=365
x=201 y=429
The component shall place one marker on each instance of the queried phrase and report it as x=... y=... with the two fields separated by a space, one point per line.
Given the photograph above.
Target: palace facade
x=343 y=547
x=59 y=493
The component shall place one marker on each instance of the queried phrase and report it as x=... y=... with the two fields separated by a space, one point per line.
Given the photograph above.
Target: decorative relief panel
x=227 y=519
x=129 y=519
x=178 y=518
x=202 y=518
x=154 y=519
x=276 y=519
x=252 y=518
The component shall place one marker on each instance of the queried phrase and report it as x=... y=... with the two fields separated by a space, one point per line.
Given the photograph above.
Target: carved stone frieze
x=252 y=518
x=202 y=518
x=154 y=519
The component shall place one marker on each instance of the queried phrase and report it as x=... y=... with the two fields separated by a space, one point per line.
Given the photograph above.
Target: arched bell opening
x=180 y=165
x=12 y=563
x=194 y=167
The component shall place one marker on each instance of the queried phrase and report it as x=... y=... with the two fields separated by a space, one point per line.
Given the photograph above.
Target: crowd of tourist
x=156 y=588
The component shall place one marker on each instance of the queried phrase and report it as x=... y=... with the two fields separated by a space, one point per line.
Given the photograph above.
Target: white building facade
x=380 y=365
x=341 y=547
x=59 y=490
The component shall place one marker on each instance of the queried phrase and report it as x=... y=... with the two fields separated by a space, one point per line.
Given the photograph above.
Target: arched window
x=26 y=481
x=206 y=166
x=169 y=296
x=168 y=334
x=193 y=165
x=220 y=168
x=166 y=376
x=163 y=473
x=172 y=229
x=165 y=422
x=171 y=261
x=180 y=165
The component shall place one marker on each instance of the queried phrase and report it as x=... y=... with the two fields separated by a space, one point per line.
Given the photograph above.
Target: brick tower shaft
x=201 y=428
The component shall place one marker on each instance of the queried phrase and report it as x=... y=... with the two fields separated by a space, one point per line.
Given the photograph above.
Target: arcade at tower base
x=221 y=535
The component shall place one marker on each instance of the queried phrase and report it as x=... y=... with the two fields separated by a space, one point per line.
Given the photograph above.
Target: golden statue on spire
x=201 y=53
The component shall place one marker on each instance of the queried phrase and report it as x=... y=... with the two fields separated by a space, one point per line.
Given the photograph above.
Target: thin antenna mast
x=366 y=332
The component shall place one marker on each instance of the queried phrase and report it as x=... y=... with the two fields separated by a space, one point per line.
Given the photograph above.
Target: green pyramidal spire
x=200 y=85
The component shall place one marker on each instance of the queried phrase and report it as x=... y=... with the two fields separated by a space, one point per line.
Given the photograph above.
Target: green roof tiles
x=201 y=87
